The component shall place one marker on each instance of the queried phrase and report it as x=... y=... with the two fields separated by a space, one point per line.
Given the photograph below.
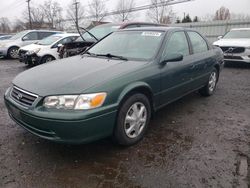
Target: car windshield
x=139 y=45
x=49 y=40
x=99 y=32
x=237 y=34
x=18 y=35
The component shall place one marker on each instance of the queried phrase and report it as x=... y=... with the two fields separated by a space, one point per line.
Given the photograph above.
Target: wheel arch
x=139 y=87
x=217 y=67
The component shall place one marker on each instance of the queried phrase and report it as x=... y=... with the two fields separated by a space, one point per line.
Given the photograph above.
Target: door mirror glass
x=172 y=58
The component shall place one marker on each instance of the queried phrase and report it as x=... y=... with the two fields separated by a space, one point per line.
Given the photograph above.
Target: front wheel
x=210 y=87
x=132 y=121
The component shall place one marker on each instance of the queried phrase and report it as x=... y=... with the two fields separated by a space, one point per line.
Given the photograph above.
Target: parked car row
x=9 y=48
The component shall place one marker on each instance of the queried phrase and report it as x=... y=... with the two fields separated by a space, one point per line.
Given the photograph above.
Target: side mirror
x=219 y=37
x=59 y=45
x=25 y=38
x=172 y=58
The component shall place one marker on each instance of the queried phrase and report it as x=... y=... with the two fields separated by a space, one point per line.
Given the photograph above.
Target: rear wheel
x=13 y=52
x=210 y=87
x=132 y=121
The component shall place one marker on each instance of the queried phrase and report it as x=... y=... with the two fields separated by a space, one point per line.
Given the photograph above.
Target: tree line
x=52 y=15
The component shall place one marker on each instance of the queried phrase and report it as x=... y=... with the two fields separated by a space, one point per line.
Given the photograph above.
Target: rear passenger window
x=31 y=36
x=198 y=43
x=43 y=35
x=177 y=44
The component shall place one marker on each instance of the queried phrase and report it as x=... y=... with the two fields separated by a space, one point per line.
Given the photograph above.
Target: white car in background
x=236 y=45
x=9 y=48
x=45 y=50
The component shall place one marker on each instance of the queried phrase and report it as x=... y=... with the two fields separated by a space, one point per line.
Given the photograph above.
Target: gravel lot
x=194 y=142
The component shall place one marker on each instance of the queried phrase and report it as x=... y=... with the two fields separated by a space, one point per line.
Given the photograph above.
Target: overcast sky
x=13 y=9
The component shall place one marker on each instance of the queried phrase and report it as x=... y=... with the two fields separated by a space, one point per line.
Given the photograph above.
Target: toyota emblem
x=19 y=96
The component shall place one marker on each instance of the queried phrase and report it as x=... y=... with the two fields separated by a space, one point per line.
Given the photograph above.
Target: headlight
x=76 y=102
x=33 y=51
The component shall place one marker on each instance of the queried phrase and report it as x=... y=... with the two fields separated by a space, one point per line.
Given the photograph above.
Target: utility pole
x=76 y=12
x=28 y=1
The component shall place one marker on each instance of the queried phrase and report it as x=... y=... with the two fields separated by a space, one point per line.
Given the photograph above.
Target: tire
x=47 y=59
x=132 y=120
x=210 y=87
x=13 y=52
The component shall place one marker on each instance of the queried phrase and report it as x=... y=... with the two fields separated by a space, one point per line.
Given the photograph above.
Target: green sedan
x=114 y=88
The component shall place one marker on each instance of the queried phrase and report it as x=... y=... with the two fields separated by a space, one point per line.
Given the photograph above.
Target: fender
x=131 y=87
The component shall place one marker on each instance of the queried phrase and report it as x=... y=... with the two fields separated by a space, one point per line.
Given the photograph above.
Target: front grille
x=23 y=97
x=233 y=49
x=233 y=57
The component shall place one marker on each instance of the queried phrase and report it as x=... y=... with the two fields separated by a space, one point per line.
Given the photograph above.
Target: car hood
x=73 y=75
x=233 y=42
x=33 y=47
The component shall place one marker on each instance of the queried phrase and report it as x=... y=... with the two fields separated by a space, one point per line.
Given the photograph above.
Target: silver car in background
x=235 y=45
x=9 y=48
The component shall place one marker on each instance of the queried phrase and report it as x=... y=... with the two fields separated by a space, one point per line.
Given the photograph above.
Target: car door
x=175 y=76
x=201 y=57
x=30 y=38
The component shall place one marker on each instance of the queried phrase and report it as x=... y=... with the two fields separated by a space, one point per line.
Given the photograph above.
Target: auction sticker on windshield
x=151 y=34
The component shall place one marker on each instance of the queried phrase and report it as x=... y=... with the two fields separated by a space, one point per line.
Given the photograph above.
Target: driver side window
x=31 y=36
x=177 y=44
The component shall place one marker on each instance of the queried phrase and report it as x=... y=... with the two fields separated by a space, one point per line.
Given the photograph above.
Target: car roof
x=160 y=28
x=125 y=24
x=66 y=34
x=239 y=29
x=38 y=30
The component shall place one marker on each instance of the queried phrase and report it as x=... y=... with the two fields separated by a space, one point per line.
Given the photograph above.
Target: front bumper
x=238 y=57
x=32 y=59
x=65 y=129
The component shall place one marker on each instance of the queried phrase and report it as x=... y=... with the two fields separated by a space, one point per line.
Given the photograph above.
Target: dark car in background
x=98 y=32
x=114 y=87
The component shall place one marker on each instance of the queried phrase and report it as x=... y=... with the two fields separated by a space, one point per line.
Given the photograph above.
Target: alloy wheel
x=135 y=120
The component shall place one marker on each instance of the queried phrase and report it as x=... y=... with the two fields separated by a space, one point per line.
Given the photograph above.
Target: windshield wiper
x=112 y=56
x=87 y=52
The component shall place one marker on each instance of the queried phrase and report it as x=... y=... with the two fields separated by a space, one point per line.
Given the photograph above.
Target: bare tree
x=160 y=12
x=37 y=17
x=52 y=12
x=19 y=26
x=240 y=16
x=75 y=11
x=124 y=8
x=97 y=9
x=222 y=14
x=4 y=25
